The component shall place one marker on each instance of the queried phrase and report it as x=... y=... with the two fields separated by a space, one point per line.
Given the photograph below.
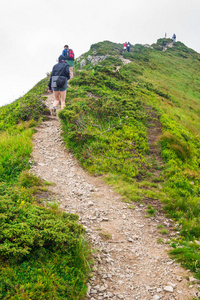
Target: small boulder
x=168 y=288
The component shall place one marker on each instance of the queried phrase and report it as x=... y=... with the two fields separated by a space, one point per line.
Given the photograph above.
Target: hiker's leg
x=62 y=96
x=57 y=99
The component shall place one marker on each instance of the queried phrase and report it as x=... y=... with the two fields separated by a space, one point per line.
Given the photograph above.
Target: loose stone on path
x=129 y=263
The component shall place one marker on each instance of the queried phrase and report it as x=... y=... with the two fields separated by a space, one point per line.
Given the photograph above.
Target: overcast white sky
x=33 y=32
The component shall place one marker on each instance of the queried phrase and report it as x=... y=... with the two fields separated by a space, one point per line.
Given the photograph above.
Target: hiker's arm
x=49 y=84
x=67 y=72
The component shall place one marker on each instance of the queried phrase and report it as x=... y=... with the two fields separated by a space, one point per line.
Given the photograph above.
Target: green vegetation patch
x=188 y=254
x=15 y=150
x=106 y=130
x=111 y=125
x=28 y=107
x=43 y=253
x=106 y=48
x=43 y=250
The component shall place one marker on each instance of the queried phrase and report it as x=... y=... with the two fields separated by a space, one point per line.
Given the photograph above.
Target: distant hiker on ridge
x=174 y=37
x=124 y=46
x=164 y=44
x=58 y=82
x=128 y=46
x=69 y=55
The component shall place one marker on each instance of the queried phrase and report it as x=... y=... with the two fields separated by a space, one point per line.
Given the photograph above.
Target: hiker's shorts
x=59 y=89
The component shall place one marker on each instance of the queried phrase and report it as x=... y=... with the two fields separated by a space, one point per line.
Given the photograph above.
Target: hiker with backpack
x=174 y=38
x=124 y=47
x=69 y=58
x=128 y=46
x=164 y=44
x=58 y=83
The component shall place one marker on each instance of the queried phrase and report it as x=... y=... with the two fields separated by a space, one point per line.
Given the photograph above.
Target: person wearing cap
x=58 y=83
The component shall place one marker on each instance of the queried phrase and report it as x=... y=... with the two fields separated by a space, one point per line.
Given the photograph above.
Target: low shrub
x=15 y=150
x=181 y=149
x=29 y=107
x=43 y=250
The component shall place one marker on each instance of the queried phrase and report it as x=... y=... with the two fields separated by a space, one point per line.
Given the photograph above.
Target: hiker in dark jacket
x=128 y=46
x=174 y=38
x=163 y=45
x=58 y=83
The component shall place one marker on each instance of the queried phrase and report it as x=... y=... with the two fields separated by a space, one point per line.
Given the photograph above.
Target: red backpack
x=70 y=54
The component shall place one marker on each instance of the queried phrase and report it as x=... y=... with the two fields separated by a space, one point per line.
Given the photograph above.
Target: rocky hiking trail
x=129 y=263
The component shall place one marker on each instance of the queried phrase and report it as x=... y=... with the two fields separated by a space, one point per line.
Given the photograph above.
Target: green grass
x=29 y=107
x=107 y=121
x=160 y=226
x=160 y=241
x=44 y=275
x=43 y=253
x=188 y=254
x=109 y=116
x=151 y=211
x=15 y=150
x=131 y=206
x=163 y=231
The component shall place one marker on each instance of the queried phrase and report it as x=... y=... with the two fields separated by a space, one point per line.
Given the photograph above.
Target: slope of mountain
x=42 y=251
x=131 y=118
x=135 y=119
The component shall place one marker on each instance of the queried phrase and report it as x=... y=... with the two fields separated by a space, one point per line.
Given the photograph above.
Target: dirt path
x=130 y=264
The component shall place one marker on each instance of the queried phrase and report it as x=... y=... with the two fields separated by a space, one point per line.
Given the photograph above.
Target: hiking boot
x=53 y=111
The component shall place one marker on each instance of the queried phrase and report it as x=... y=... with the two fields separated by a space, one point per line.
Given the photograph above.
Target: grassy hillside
x=135 y=124
x=138 y=125
x=43 y=254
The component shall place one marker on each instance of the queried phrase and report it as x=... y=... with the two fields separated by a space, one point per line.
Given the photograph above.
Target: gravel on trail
x=129 y=262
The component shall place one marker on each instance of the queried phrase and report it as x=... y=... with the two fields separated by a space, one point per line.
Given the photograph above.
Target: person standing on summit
x=174 y=38
x=69 y=55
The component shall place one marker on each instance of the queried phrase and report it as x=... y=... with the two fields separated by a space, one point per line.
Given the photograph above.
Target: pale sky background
x=33 y=32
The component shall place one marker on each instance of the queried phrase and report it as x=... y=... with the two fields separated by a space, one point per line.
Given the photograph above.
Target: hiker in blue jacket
x=69 y=60
x=58 y=83
x=64 y=53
